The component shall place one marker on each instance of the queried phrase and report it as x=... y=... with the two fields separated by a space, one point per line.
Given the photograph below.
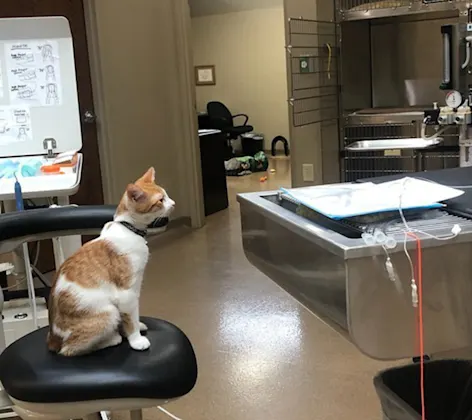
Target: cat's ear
x=150 y=175
x=135 y=193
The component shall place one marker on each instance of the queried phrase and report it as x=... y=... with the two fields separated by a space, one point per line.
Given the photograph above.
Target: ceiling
x=214 y=7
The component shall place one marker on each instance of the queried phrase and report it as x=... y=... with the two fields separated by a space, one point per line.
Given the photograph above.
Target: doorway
x=90 y=191
x=240 y=71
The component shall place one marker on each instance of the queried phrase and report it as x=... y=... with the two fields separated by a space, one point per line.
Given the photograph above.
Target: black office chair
x=222 y=119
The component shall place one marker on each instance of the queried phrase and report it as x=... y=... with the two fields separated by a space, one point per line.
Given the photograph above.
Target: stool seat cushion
x=30 y=373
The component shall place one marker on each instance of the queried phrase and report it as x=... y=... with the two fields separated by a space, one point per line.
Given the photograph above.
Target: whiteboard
x=38 y=87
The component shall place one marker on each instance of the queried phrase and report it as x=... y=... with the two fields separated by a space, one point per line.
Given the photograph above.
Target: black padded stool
x=41 y=383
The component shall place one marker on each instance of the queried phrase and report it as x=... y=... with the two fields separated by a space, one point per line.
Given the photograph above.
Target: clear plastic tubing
x=368 y=238
x=390 y=243
x=380 y=237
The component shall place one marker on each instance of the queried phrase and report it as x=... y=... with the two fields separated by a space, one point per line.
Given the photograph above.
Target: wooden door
x=90 y=191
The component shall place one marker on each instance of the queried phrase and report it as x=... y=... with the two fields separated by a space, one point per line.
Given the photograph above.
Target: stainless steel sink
x=393 y=144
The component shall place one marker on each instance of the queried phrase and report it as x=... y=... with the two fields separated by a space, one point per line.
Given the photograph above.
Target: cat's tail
x=54 y=342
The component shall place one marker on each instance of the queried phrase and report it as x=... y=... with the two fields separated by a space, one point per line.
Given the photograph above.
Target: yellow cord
x=329 y=60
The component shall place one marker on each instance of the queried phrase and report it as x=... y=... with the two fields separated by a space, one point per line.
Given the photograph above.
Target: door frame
x=188 y=139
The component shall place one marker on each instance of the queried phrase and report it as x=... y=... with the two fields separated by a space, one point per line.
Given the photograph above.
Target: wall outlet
x=308 y=172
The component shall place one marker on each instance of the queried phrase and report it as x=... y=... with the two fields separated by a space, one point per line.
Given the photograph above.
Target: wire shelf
x=366 y=5
x=313 y=116
x=313 y=56
x=379 y=132
x=367 y=9
x=300 y=26
x=375 y=164
x=361 y=165
x=354 y=133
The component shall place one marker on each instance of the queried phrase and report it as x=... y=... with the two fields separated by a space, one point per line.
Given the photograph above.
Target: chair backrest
x=220 y=115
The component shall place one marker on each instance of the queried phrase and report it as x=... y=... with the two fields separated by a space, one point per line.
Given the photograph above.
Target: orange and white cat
x=94 y=300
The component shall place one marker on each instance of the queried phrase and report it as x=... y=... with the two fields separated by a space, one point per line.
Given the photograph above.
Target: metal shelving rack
x=314 y=56
x=350 y=10
x=380 y=123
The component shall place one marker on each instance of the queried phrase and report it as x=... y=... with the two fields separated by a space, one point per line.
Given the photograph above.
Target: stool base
x=89 y=410
x=106 y=415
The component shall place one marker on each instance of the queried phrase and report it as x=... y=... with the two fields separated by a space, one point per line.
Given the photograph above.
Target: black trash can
x=252 y=143
x=448 y=391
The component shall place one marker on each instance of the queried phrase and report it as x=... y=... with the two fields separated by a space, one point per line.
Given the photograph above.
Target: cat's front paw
x=116 y=340
x=139 y=343
x=142 y=327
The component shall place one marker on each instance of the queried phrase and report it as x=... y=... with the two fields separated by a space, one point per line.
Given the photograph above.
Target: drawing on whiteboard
x=26 y=92
x=52 y=96
x=50 y=73
x=47 y=52
x=28 y=75
x=25 y=59
x=1 y=80
x=22 y=136
x=33 y=72
x=3 y=126
x=15 y=124
x=21 y=118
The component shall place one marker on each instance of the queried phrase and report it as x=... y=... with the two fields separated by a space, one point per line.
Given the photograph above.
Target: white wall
x=214 y=7
x=247 y=49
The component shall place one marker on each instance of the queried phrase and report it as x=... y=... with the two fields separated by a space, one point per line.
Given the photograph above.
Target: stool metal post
x=102 y=415
x=2 y=332
x=5 y=402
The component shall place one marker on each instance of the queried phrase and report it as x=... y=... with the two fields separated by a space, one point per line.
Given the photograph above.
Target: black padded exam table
x=114 y=377
x=32 y=225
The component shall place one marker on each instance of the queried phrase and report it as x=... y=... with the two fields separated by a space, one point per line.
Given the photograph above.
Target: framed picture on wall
x=205 y=75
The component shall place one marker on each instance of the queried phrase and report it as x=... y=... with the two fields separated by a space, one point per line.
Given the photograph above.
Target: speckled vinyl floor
x=261 y=355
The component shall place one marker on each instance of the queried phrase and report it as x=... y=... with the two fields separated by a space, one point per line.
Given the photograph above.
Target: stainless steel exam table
x=33 y=225
x=344 y=281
